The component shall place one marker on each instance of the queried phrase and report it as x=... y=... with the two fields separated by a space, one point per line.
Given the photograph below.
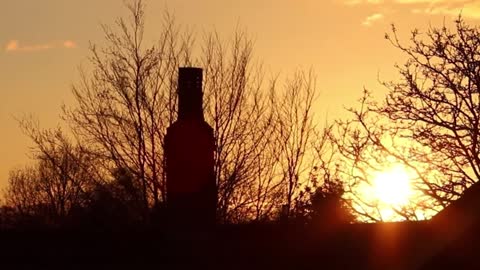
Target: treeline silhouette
x=34 y=202
x=272 y=162
x=112 y=173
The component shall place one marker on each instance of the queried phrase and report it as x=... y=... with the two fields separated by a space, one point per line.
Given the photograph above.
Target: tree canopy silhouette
x=429 y=120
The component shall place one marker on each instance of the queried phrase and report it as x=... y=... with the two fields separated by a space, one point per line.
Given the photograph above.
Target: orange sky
x=43 y=42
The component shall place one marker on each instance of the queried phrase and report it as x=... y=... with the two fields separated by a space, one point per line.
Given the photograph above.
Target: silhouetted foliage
x=322 y=203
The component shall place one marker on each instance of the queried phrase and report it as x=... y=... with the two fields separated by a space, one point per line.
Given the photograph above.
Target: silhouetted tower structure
x=189 y=150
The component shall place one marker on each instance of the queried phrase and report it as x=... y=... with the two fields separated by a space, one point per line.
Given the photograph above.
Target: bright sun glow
x=389 y=189
x=392 y=186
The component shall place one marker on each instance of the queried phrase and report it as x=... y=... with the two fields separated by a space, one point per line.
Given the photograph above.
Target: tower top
x=190 y=93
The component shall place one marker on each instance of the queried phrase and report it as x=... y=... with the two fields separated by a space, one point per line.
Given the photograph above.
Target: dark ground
x=408 y=245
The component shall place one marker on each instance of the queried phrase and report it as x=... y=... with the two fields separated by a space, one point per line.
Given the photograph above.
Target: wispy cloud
x=372 y=19
x=15 y=46
x=431 y=2
x=69 y=44
x=412 y=2
x=358 y=2
x=468 y=8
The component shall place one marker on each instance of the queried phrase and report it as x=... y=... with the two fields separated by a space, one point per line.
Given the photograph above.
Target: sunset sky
x=42 y=43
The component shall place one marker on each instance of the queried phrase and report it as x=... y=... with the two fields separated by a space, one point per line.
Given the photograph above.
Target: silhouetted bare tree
x=294 y=133
x=22 y=192
x=57 y=182
x=129 y=98
x=429 y=120
x=258 y=125
x=437 y=104
x=237 y=106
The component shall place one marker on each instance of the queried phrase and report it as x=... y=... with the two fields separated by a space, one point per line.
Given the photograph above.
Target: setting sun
x=392 y=186
x=388 y=190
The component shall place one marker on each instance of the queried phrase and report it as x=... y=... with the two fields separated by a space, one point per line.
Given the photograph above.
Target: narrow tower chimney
x=189 y=149
x=190 y=94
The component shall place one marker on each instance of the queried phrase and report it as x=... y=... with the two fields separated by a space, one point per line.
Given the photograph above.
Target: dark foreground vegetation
x=407 y=245
x=448 y=241
x=361 y=246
